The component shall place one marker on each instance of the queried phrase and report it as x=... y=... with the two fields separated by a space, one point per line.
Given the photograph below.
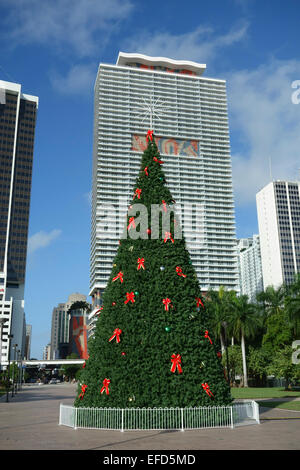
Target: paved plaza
x=30 y=422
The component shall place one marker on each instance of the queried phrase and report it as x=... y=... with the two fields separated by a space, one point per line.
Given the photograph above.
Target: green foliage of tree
x=282 y=366
x=235 y=362
x=258 y=360
x=278 y=331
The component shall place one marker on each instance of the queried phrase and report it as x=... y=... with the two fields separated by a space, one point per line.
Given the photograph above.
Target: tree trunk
x=244 y=361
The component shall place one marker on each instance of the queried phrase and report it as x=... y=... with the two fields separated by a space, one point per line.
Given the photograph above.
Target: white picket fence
x=133 y=419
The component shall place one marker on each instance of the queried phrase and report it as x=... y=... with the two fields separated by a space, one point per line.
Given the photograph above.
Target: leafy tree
x=282 y=366
x=258 y=360
x=235 y=361
x=278 y=331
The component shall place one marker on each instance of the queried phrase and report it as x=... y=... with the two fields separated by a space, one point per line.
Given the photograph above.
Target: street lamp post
x=9 y=337
x=19 y=370
x=13 y=371
x=2 y=321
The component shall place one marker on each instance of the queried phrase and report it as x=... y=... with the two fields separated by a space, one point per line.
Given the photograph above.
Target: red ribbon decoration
x=131 y=223
x=83 y=390
x=158 y=161
x=168 y=236
x=179 y=271
x=98 y=311
x=176 y=361
x=149 y=135
x=141 y=262
x=206 y=336
x=119 y=276
x=116 y=335
x=166 y=303
x=146 y=170
x=199 y=301
x=137 y=193
x=130 y=297
x=106 y=383
x=164 y=204
x=205 y=387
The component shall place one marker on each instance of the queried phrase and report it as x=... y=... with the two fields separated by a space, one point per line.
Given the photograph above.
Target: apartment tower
x=278 y=212
x=190 y=122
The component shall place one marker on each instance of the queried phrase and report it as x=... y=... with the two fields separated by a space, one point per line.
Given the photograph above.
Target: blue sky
x=53 y=48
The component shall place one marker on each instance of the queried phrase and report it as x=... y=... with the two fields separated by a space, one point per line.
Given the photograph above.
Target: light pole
x=2 y=321
x=13 y=371
x=19 y=369
x=9 y=337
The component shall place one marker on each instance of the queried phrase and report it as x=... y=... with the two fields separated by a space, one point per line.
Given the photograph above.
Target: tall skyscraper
x=249 y=260
x=17 y=128
x=190 y=123
x=278 y=211
x=60 y=327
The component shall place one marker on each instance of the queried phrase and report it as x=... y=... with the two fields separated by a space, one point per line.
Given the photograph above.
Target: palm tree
x=243 y=323
x=272 y=299
x=219 y=306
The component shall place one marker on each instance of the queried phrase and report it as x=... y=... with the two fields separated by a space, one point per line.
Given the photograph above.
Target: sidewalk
x=30 y=422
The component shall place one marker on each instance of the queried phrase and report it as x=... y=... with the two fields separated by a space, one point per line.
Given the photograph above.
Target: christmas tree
x=152 y=345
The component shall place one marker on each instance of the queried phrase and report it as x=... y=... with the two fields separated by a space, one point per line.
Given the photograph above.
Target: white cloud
x=64 y=23
x=200 y=45
x=79 y=79
x=265 y=126
x=41 y=239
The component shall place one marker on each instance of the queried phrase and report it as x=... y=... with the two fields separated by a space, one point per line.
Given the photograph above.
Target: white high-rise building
x=190 y=124
x=278 y=211
x=250 y=269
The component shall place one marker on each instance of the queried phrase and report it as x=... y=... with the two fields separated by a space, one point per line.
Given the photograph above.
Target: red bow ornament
x=83 y=390
x=146 y=171
x=199 y=302
x=98 y=311
x=158 y=161
x=119 y=276
x=168 y=236
x=205 y=387
x=131 y=223
x=166 y=303
x=141 y=262
x=129 y=297
x=206 y=336
x=106 y=383
x=176 y=361
x=137 y=193
x=149 y=135
x=179 y=271
x=116 y=334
